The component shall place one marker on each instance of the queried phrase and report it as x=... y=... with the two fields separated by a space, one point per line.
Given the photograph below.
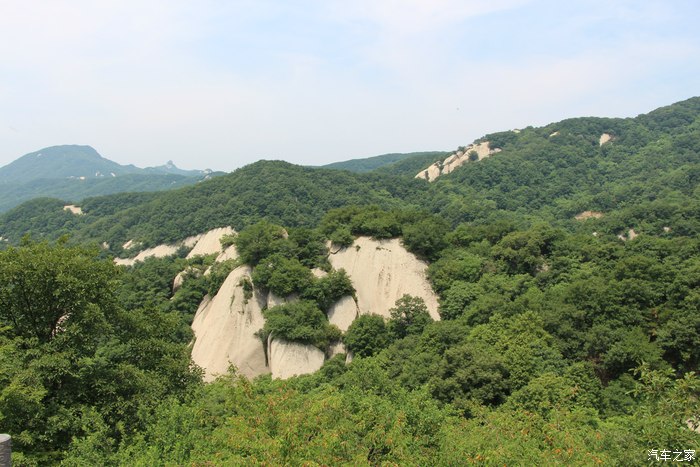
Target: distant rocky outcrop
x=473 y=152
x=210 y=242
x=582 y=216
x=204 y=244
x=73 y=209
x=604 y=138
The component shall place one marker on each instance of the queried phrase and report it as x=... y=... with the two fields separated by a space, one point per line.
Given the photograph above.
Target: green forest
x=564 y=338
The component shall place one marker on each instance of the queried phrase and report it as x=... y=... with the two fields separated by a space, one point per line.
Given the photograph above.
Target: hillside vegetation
x=568 y=277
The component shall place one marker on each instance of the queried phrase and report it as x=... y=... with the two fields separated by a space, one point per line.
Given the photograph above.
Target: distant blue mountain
x=73 y=172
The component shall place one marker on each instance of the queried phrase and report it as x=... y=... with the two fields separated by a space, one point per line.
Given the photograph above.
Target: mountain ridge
x=74 y=172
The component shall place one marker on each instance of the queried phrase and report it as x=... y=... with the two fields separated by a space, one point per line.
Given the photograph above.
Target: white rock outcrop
x=630 y=235
x=229 y=253
x=382 y=271
x=604 y=138
x=209 y=243
x=160 y=251
x=336 y=349
x=343 y=313
x=461 y=157
x=202 y=244
x=582 y=216
x=225 y=327
x=182 y=275
x=289 y=359
x=73 y=209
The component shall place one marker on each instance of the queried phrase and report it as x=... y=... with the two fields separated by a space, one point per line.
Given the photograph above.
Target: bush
x=367 y=335
x=282 y=276
x=409 y=316
x=325 y=291
x=300 y=322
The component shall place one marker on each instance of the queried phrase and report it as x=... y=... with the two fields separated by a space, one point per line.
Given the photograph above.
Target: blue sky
x=220 y=84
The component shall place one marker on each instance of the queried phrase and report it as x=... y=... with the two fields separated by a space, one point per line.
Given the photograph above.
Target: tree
x=282 y=275
x=409 y=316
x=71 y=359
x=300 y=321
x=367 y=335
x=261 y=240
x=457 y=299
x=426 y=238
x=46 y=289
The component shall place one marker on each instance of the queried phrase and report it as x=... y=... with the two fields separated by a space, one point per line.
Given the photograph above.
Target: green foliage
x=389 y=163
x=282 y=276
x=72 y=359
x=44 y=289
x=218 y=274
x=426 y=238
x=543 y=322
x=261 y=240
x=301 y=322
x=457 y=298
x=227 y=240
x=408 y=317
x=367 y=335
x=342 y=236
x=455 y=265
x=327 y=290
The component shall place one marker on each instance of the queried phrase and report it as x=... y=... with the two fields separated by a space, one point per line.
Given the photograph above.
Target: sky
x=221 y=84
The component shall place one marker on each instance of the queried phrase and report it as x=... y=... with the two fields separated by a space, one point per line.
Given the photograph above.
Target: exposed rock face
x=482 y=151
x=604 y=138
x=77 y=210
x=160 y=251
x=275 y=300
x=209 y=243
x=382 y=271
x=203 y=244
x=289 y=359
x=225 y=327
x=582 y=216
x=631 y=235
x=319 y=272
x=336 y=349
x=229 y=253
x=343 y=313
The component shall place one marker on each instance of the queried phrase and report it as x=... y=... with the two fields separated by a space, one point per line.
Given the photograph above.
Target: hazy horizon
x=218 y=86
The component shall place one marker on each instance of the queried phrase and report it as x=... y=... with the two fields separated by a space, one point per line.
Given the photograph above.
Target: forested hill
x=649 y=166
x=275 y=190
x=72 y=173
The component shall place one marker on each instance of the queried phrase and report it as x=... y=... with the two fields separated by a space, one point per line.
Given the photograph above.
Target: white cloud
x=147 y=82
